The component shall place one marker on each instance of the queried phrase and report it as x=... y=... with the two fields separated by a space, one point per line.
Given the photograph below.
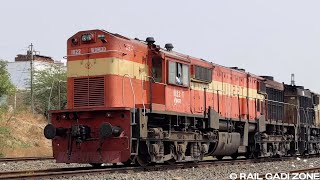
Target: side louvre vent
x=203 y=74
x=88 y=92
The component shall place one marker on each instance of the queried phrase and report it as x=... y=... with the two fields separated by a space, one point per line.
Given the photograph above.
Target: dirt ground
x=21 y=135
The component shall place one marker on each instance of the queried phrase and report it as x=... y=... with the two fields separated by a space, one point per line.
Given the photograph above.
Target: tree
x=6 y=86
x=46 y=88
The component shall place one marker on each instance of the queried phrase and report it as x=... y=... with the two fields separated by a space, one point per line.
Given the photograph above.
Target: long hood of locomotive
x=105 y=82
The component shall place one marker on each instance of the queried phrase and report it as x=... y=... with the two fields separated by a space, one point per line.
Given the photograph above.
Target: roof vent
x=239 y=69
x=150 y=40
x=268 y=77
x=169 y=46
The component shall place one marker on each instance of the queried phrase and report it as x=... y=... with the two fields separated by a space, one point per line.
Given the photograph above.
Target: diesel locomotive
x=131 y=101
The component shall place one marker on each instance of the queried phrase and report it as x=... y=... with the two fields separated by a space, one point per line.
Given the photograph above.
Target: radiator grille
x=88 y=92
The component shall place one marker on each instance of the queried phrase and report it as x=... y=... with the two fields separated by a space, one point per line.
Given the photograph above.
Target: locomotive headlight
x=89 y=37
x=84 y=37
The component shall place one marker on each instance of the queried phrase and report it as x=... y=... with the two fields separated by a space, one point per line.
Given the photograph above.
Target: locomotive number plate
x=98 y=49
x=75 y=51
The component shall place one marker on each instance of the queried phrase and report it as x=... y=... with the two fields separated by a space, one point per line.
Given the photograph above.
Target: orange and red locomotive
x=130 y=100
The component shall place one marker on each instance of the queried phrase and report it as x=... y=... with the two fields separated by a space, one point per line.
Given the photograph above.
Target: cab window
x=178 y=73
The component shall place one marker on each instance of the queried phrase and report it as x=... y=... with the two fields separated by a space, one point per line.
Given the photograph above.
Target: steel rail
x=55 y=172
x=15 y=159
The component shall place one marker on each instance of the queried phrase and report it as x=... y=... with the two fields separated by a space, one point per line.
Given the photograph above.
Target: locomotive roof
x=183 y=56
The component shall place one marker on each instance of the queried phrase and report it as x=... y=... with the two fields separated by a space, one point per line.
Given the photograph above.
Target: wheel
x=171 y=161
x=234 y=156
x=292 y=153
x=130 y=161
x=143 y=157
x=142 y=160
x=251 y=155
x=252 y=152
x=127 y=163
x=219 y=157
x=96 y=165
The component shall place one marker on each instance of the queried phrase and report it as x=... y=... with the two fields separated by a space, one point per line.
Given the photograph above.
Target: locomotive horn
x=150 y=40
x=168 y=46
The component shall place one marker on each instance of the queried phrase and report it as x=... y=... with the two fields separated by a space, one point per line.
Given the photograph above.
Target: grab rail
x=134 y=96
x=143 y=79
x=51 y=94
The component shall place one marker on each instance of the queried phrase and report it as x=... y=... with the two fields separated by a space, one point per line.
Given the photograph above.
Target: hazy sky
x=270 y=37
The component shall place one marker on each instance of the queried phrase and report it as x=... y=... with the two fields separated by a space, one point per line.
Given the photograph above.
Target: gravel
x=35 y=165
x=203 y=173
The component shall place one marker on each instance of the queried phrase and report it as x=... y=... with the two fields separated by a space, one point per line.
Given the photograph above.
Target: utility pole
x=31 y=76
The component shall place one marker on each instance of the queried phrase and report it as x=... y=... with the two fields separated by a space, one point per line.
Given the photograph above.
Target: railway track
x=33 y=174
x=55 y=172
x=16 y=159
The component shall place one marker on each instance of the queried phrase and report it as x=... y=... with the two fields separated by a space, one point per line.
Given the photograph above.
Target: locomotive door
x=157 y=88
x=198 y=101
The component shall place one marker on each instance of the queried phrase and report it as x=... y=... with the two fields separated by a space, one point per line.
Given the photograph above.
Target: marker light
x=102 y=38
x=74 y=41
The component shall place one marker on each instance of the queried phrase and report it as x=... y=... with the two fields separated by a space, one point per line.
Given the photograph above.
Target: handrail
x=49 y=100
x=144 y=107
x=143 y=79
x=59 y=92
x=155 y=81
x=134 y=96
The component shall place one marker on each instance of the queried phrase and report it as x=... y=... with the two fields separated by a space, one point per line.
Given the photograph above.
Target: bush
x=42 y=88
x=6 y=86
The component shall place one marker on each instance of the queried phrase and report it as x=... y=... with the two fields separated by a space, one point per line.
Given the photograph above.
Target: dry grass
x=22 y=135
